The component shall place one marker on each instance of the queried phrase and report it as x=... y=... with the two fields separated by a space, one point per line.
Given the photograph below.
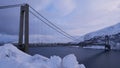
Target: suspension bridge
x=23 y=40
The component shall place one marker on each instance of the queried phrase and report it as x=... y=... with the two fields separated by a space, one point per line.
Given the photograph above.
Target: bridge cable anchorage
x=52 y=23
x=11 y=6
x=51 y=26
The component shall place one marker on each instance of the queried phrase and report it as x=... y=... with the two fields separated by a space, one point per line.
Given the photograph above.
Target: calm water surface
x=91 y=58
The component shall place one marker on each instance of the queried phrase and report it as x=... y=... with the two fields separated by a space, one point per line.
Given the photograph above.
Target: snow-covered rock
x=11 y=57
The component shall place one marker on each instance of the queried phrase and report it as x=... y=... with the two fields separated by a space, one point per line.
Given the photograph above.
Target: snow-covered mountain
x=113 y=32
x=115 y=29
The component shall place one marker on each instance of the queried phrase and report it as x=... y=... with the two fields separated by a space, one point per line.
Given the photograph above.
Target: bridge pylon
x=107 y=43
x=23 y=40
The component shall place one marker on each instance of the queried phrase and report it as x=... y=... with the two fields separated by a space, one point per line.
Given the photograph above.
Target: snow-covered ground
x=11 y=57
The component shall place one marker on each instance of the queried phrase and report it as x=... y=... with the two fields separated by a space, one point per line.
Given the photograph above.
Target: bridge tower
x=23 y=40
x=107 y=43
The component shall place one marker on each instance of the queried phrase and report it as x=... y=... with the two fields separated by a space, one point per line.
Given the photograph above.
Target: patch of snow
x=95 y=47
x=70 y=61
x=75 y=46
x=11 y=57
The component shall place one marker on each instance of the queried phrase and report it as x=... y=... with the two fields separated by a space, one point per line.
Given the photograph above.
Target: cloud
x=91 y=16
x=103 y=13
x=8 y=38
x=98 y=14
x=39 y=4
x=62 y=7
x=104 y=5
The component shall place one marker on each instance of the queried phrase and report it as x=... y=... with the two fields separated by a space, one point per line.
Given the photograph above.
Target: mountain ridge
x=111 y=30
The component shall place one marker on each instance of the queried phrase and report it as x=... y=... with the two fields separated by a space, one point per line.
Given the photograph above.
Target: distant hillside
x=113 y=32
x=106 y=31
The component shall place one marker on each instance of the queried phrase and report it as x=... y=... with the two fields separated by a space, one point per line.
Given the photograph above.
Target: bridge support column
x=107 y=44
x=23 y=41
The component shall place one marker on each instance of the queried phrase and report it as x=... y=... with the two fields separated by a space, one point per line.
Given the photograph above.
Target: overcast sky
x=76 y=17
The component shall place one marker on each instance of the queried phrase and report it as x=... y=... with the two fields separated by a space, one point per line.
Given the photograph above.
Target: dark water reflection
x=90 y=57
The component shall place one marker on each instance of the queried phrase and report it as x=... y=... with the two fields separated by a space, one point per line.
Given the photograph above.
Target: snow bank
x=11 y=57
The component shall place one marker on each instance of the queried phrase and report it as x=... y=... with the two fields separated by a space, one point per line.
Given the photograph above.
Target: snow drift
x=11 y=57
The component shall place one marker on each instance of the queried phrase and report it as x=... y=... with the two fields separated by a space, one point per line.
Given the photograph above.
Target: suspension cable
x=50 y=25
x=10 y=6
